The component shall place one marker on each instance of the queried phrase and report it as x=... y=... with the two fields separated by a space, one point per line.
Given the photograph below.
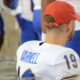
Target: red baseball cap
x=62 y=12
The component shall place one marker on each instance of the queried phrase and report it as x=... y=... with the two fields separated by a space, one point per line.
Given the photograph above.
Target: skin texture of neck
x=58 y=39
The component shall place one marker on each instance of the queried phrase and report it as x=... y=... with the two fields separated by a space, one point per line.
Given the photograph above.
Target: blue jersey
x=25 y=20
x=26 y=17
x=37 y=18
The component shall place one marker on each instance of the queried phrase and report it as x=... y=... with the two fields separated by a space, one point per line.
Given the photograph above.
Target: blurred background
x=8 y=51
x=11 y=41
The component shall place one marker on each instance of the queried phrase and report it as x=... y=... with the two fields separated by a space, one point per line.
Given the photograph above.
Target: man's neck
x=56 y=39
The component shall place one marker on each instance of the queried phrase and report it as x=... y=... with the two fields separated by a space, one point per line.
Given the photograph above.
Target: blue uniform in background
x=27 y=28
x=37 y=18
x=37 y=23
x=28 y=31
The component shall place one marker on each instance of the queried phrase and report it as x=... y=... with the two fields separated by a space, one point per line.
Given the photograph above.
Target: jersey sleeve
x=17 y=59
x=18 y=56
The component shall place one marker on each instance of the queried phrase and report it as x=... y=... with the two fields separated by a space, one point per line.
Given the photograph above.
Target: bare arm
x=43 y=5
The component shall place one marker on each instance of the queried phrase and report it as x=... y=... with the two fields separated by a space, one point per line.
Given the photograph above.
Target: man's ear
x=70 y=26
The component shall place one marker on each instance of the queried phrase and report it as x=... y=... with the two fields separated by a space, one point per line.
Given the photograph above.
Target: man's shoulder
x=57 y=53
x=61 y=49
x=65 y=54
x=57 y=48
x=28 y=44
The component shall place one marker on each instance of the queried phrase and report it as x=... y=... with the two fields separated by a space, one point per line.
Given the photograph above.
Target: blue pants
x=75 y=42
x=27 y=30
x=1 y=26
x=37 y=22
x=1 y=32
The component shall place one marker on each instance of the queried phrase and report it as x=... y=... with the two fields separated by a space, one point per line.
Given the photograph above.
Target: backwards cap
x=62 y=12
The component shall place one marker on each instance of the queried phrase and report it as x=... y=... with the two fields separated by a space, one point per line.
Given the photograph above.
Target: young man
x=75 y=42
x=29 y=20
x=25 y=20
x=50 y=60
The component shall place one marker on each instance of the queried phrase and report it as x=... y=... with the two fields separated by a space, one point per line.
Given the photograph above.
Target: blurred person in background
x=25 y=20
x=30 y=21
x=43 y=5
x=23 y=11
